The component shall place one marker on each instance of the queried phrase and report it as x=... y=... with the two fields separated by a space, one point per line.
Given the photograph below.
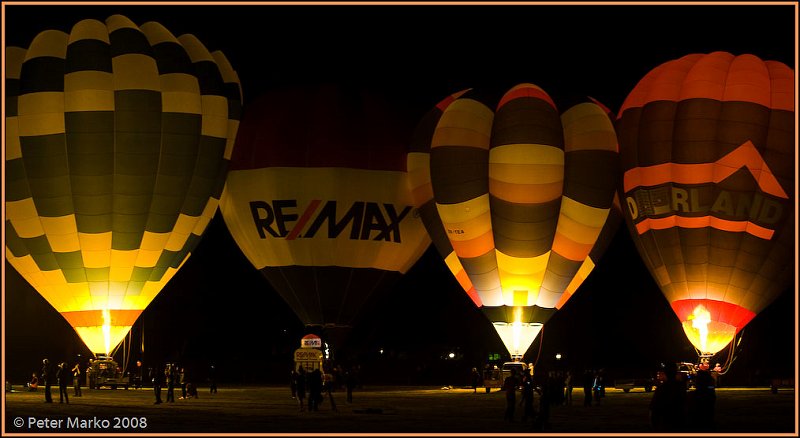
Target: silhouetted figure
x=598 y=387
x=191 y=390
x=314 y=389
x=327 y=387
x=212 y=379
x=350 y=384
x=588 y=381
x=63 y=379
x=182 y=382
x=527 y=398
x=47 y=378
x=700 y=403
x=157 y=377
x=169 y=376
x=138 y=375
x=568 y=389
x=667 y=407
x=76 y=379
x=301 y=387
x=293 y=382
x=545 y=400
x=475 y=378
x=510 y=387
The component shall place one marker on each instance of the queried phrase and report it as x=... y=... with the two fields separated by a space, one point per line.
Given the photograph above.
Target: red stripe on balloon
x=312 y=207
x=720 y=311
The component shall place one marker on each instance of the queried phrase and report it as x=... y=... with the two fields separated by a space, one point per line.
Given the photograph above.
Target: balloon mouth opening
x=517 y=336
x=710 y=337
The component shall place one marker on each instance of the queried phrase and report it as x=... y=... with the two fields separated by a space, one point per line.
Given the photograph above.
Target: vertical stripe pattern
x=708 y=149
x=522 y=196
x=117 y=161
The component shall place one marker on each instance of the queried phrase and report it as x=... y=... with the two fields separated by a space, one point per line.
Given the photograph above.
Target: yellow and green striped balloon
x=117 y=143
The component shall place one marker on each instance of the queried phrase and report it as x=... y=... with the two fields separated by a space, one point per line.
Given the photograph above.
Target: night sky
x=219 y=309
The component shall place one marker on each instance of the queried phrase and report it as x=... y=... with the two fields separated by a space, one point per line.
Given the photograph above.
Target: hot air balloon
x=117 y=143
x=515 y=200
x=319 y=200
x=708 y=149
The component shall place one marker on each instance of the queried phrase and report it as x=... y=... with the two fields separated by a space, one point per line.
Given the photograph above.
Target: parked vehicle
x=495 y=376
x=626 y=385
x=105 y=372
x=687 y=372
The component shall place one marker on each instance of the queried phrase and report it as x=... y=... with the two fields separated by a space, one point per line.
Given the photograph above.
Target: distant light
x=558 y=356
x=381 y=350
x=451 y=355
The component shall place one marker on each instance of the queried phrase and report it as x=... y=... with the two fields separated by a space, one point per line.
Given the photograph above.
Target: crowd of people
x=673 y=407
x=170 y=376
x=311 y=387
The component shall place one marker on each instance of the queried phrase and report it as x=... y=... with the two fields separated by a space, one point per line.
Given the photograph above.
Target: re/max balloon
x=319 y=200
x=117 y=143
x=518 y=200
x=708 y=151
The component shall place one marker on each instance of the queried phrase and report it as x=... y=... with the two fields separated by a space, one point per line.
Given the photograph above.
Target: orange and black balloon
x=517 y=200
x=708 y=151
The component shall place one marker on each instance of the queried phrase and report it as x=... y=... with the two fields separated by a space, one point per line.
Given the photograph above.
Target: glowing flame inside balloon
x=107 y=330
x=516 y=329
x=517 y=336
x=700 y=319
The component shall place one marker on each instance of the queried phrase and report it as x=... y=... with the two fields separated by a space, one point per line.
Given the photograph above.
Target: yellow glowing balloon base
x=102 y=340
x=710 y=338
x=518 y=336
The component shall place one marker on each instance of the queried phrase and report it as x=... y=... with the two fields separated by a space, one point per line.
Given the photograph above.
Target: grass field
x=401 y=410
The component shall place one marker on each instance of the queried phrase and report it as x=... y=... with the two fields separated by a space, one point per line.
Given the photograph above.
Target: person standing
x=169 y=376
x=510 y=387
x=182 y=382
x=476 y=380
x=76 y=379
x=527 y=400
x=588 y=381
x=157 y=378
x=350 y=384
x=568 y=389
x=716 y=373
x=47 y=378
x=599 y=387
x=667 y=407
x=138 y=375
x=63 y=379
x=314 y=389
x=700 y=403
x=301 y=387
x=293 y=383
x=212 y=380
x=327 y=386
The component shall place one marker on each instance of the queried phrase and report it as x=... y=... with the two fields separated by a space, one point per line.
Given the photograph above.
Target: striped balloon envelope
x=708 y=151
x=518 y=201
x=117 y=143
x=319 y=201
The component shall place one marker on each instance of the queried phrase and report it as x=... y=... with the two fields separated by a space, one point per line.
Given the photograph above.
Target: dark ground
x=403 y=410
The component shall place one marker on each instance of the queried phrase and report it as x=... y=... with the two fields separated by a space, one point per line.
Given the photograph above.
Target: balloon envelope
x=319 y=200
x=516 y=200
x=117 y=142
x=708 y=151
